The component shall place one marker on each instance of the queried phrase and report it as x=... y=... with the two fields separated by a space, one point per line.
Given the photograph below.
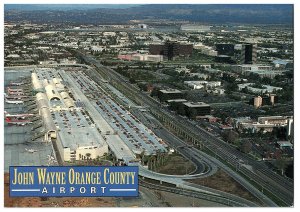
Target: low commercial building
x=264 y=89
x=223 y=59
x=285 y=145
x=276 y=120
x=264 y=124
x=282 y=63
x=202 y=84
x=200 y=75
x=194 y=109
x=141 y=57
x=153 y=58
x=207 y=50
x=236 y=122
x=251 y=67
x=259 y=70
x=195 y=28
x=167 y=94
x=175 y=103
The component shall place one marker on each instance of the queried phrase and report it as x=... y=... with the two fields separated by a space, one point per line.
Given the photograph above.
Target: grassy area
x=94 y=162
x=176 y=165
x=223 y=182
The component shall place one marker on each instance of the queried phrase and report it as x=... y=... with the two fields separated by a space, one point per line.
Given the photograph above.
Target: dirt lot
x=176 y=165
x=223 y=182
x=54 y=202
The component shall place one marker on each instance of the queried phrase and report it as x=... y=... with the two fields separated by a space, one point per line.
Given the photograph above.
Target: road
x=257 y=171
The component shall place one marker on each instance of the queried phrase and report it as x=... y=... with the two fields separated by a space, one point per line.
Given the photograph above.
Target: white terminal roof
x=119 y=148
x=196 y=104
x=76 y=130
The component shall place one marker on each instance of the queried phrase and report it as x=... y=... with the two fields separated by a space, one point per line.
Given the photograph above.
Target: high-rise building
x=269 y=99
x=248 y=54
x=171 y=49
x=225 y=49
x=156 y=49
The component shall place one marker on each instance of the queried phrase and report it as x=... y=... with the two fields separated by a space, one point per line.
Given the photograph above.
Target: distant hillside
x=63 y=7
x=83 y=14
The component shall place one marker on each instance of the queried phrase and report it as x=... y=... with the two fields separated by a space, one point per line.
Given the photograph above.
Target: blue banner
x=73 y=181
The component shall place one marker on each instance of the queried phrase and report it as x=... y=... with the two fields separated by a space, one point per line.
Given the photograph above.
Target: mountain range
x=123 y=13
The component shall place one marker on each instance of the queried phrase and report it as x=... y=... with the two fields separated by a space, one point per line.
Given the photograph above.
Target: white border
x=296 y=78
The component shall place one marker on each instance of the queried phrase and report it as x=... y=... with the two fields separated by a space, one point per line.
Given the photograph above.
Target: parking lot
x=136 y=135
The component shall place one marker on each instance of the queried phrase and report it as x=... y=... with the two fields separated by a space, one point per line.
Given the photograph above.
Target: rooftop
x=170 y=91
x=76 y=129
x=177 y=100
x=196 y=104
x=119 y=148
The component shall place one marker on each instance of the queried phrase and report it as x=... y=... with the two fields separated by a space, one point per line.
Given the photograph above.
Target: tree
x=132 y=80
x=155 y=91
x=230 y=136
x=88 y=155
x=281 y=164
x=246 y=147
x=105 y=155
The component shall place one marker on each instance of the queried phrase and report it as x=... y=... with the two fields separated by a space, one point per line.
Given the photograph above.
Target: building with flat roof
x=195 y=28
x=167 y=94
x=284 y=144
x=225 y=49
x=266 y=124
x=175 y=103
x=202 y=84
x=171 y=49
x=194 y=109
x=78 y=135
x=70 y=128
x=264 y=89
x=260 y=70
x=224 y=59
x=278 y=120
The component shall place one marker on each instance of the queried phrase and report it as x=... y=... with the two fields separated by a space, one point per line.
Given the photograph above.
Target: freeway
x=177 y=180
x=200 y=159
x=196 y=194
x=279 y=186
x=212 y=162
